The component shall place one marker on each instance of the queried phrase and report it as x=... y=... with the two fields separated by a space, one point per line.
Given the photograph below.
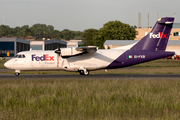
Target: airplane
x=90 y=58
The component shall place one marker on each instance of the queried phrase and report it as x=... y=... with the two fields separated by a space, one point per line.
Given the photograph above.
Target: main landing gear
x=84 y=72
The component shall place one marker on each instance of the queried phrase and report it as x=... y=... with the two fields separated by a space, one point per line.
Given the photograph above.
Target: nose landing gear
x=17 y=72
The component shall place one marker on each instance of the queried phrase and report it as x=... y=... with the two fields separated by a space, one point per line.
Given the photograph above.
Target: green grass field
x=100 y=99
x=2 y=64
x=89 y=99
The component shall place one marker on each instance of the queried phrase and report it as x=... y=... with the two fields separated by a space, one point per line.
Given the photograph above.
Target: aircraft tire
x=86 y=73
x=81 y=72
x=17 y=74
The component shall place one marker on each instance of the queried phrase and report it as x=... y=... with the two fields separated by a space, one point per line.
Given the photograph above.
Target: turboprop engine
x=74 y=51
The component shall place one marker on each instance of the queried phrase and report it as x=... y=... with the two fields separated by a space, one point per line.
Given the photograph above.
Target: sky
x=79 y=15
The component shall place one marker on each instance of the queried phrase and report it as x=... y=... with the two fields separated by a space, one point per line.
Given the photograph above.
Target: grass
x=160 y=63
x=101 y=99
x=89 y=99
x=2 y=64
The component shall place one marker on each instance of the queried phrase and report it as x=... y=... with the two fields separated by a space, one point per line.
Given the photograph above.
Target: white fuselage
x=49 y=60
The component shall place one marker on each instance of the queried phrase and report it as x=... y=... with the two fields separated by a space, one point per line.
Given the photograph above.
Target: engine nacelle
x=73 y=51
x=69 y=51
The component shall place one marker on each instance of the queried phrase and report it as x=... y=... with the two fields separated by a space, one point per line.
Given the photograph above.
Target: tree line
x=40 y=31
x=112 y=30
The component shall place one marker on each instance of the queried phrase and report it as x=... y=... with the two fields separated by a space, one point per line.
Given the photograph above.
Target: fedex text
x=159 y=35
x=45 y=57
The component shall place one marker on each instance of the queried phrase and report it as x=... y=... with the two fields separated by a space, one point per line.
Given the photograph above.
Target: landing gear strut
x=84 y=72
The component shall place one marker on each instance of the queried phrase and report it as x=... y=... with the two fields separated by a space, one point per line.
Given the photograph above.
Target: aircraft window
x=16 y=56
x=20 y=56
x=23 y=56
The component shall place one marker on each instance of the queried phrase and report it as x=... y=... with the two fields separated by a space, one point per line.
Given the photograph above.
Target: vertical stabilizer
x=157 y=39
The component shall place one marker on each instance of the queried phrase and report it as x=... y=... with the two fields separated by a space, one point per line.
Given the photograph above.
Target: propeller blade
x=58 y=51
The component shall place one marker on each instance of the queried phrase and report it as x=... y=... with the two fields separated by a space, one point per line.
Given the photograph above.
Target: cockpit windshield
x=23 y=56
x=16 y=56
x=20 y=56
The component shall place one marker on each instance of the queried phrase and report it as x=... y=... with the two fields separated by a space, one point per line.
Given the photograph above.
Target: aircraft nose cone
x=7 y=64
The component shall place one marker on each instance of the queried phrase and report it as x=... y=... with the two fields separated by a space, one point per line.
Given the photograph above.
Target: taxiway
x=91 y=76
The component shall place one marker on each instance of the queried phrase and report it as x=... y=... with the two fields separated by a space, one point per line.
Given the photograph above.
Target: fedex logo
x=45 y=57
x=159 y=35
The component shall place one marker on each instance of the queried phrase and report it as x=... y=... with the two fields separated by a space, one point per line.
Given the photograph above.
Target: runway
x=91 y=76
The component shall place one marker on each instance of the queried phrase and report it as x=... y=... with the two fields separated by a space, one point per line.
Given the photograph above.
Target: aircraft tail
x=157 y=39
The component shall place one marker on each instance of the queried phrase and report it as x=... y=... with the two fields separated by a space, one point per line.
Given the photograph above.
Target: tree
x=40 y=31
x=25 y=32
x=5 y=30
x=88 y=37
x=50 y=28
x=67 y=34
x=55 y=34
x=78 y=35
x=15 y=31
x=114 y=30
x=25 y=27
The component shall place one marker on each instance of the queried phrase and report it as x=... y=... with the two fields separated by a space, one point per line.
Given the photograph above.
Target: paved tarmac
x=91 y=76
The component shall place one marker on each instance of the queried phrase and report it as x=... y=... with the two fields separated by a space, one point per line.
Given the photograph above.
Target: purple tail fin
x=157 y=39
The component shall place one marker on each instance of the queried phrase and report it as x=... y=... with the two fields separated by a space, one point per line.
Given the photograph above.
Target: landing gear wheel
x=86 y=73
x=83 y=72
x=17 y=74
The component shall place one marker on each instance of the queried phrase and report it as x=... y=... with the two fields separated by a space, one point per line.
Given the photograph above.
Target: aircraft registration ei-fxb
x=89 y=58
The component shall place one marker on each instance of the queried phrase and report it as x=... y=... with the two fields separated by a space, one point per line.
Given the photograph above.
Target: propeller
x=58 y=51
